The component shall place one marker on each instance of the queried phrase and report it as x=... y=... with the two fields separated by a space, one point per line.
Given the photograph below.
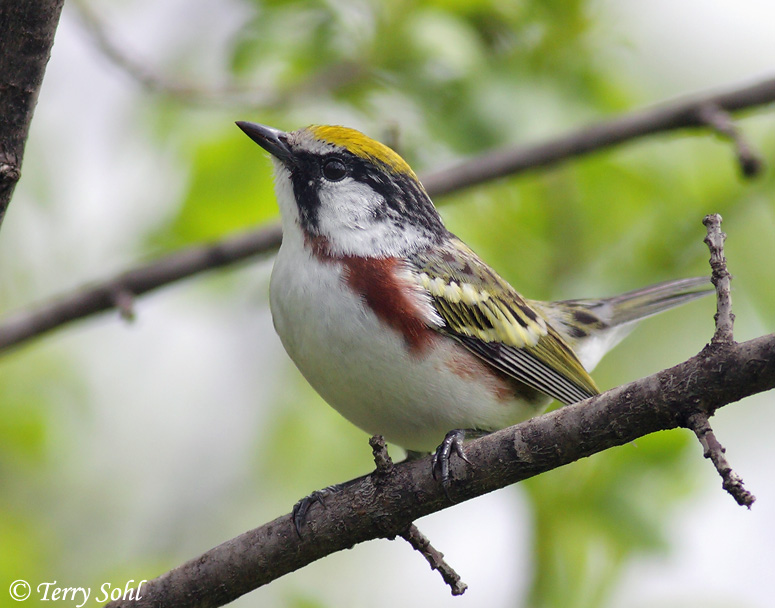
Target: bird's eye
x=334 y=170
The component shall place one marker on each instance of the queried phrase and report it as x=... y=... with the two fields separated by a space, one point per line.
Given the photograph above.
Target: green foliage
x=31 y=384
x=24 y=398
x=303 y=429
x=229 y=190
x=446 y=78
x=592 y=515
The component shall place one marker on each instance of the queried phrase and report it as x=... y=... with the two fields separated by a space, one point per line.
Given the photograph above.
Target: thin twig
x=435 y=558
x=412 y=534
x=712 y=449
x=124 y=301
x=381 y=457
x=725 y=318
x=720 y=121
x=148 y=78
x=233 y=94
x=723 y=336
x=92 y=299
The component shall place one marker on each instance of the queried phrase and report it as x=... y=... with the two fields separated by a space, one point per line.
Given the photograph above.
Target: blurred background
x=128 y=448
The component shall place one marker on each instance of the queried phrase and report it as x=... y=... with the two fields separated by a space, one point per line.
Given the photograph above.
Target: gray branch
x=725 y=318
x=380 y=506
x=27 y=30
x=698 y=422
x=119 y=291
x=716 y=453
x=721 y=122
x=435 y=559
x=234 y=94
x=681 y=114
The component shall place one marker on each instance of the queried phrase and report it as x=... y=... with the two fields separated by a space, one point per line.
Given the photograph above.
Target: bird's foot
x=453 y=442
x=301 y=508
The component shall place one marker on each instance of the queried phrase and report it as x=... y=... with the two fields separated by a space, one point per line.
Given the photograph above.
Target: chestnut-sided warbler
x=398 y=324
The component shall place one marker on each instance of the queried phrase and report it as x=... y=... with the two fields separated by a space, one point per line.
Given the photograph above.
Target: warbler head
x=352 y=193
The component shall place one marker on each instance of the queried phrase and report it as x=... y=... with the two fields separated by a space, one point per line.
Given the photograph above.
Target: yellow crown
x=362 y=146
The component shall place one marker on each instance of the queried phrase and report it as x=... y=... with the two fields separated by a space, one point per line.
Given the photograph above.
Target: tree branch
x=27 y=30
x=332 y=78
x=698 y=422
x=373 y=507
x=721 y=122
x=118 y=291
x=713 y=450
x=418 y=541
x=725 y=318
x=435 y=559
x=680 y=114
x=99 y=297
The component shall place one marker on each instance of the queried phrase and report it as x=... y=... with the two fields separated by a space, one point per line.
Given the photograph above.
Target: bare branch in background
x=95 y=298
x=119 y=291
x=26 y=34
x=233 y=94
x=721 y=122
x=681 y=114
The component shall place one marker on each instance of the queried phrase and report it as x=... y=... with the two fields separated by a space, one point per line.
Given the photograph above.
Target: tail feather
x=593 y=327
x=642 y=303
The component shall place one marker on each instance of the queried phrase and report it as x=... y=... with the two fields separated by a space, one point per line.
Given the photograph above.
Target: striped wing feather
x=487 y=316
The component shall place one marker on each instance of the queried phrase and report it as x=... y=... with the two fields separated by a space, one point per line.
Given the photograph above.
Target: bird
x=398 y=324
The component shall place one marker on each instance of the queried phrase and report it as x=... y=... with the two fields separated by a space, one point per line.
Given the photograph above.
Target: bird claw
x=453 y=441
x=301 y=508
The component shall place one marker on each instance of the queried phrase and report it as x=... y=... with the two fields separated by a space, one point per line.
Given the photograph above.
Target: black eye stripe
x=334 y=169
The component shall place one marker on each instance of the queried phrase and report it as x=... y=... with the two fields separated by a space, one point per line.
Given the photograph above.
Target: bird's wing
x=488 y=317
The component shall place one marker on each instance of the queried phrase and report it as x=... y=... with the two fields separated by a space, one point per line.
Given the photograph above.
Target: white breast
x=364 y=369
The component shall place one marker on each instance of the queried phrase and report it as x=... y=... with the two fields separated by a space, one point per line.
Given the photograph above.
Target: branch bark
x=725 y=318
x=383 y=506
x=234 y=94
x=118 y=291
x=716 y=453
x=27 y=30
x=100 y=296
x=681 y=114
x=435 y=559
x=698 y=422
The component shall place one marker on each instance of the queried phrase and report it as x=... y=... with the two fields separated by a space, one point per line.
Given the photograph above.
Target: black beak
x=272 y=140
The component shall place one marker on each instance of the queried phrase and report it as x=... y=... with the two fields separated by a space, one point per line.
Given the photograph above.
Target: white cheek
x=347 y=205
x=346 y=217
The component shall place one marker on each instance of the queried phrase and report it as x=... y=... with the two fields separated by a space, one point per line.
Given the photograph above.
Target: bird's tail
x=593 y=327
x=642 y=303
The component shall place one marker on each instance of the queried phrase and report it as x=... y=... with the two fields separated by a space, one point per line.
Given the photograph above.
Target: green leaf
x=230 y=189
